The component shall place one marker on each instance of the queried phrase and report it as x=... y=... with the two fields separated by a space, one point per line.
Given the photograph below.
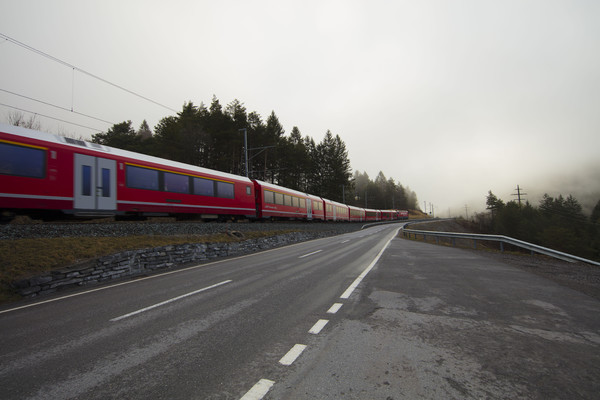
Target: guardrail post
x=453 y=242
x=501 y=247
x=475 y=244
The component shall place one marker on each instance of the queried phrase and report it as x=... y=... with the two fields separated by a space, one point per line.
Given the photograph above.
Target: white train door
x=309 y=208
x=95 y=183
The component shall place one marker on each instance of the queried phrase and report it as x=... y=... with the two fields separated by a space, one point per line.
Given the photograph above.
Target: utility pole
x=248 y=159
x=519 y=194
x=245 y=149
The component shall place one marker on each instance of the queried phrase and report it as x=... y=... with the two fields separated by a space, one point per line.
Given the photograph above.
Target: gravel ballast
x=120 y=229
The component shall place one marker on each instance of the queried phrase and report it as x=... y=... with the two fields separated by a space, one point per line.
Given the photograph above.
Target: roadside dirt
x=582 y=277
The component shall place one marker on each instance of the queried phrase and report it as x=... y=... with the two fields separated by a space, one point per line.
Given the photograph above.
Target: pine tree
x=121 y=136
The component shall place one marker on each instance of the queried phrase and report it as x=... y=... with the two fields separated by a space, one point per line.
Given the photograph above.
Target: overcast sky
x=449 y=98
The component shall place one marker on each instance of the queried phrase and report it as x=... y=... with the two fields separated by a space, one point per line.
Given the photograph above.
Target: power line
x=55 y=106
x=66 y=64
x=57 y=119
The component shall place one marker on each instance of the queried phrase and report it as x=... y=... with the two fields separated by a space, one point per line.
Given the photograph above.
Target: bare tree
x=17 y=118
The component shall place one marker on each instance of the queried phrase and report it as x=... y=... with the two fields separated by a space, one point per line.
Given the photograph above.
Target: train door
x=309 y=208
x=95 y=183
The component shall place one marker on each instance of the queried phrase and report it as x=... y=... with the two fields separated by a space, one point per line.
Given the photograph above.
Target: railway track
x=108 y=228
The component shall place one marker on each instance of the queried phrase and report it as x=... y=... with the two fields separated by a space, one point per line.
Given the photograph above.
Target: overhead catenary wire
x=54 y=118
x=75 y=68
x=56 y=106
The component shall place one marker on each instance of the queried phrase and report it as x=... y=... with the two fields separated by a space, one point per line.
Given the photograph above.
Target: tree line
x=213 y=137
x=557 y=223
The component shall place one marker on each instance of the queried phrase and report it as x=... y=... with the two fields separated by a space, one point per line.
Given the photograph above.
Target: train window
x=204 y=187
x=142 y=178
x=86 y=180
x=22 y=161
x=176 y=183
x=287 y=200
x=269 y=197
x=279 y=198
x=303 y=203
x=105 y=182
x=295 y=202
x=225 y=190
x=248 y=190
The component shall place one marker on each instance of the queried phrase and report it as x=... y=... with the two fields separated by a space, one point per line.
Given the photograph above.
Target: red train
x=41 y=173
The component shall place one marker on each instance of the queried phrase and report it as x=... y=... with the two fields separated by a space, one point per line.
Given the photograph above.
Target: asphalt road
x=206 y=332
x=426 y=322
x=432 y=322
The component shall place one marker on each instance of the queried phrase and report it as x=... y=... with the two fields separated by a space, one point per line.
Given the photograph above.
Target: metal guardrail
x=534 y=248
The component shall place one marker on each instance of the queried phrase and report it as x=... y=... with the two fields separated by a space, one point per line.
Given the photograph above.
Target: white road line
x=318 y=326
x=310 y=254
x=334 y=308
x=345 y=241
x=169 y=301
x=358 y=280
x=292 y=355
x=259 y=390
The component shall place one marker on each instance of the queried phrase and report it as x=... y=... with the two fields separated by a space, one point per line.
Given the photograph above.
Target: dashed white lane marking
x=170 y=301
x=345 y=241
x=359 y=279
x=310 y=254
x=292 y=355
x=318 y=326
x=334 y=308
x=259 y=390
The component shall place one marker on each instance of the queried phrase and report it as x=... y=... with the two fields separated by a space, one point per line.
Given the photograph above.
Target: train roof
x=75 y=143
x=280 y=188
x=336 y=203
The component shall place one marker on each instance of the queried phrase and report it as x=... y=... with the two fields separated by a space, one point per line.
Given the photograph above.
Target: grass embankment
x=26 y=258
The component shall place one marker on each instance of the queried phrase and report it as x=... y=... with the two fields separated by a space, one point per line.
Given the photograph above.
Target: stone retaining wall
x=139 y=262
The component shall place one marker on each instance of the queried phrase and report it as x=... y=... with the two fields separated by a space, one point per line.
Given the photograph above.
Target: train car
x=41 y=173
x=44 y=172
x=315 y=208
x=335 y=211
x=277 y=202
x=372 y=215
x=388 y=215
x=356 y=214
x=402 y=214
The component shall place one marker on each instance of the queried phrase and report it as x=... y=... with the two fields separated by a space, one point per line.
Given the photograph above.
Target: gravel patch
x=582 y=277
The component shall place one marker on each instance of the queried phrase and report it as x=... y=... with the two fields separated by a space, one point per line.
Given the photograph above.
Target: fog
x=451 y=99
